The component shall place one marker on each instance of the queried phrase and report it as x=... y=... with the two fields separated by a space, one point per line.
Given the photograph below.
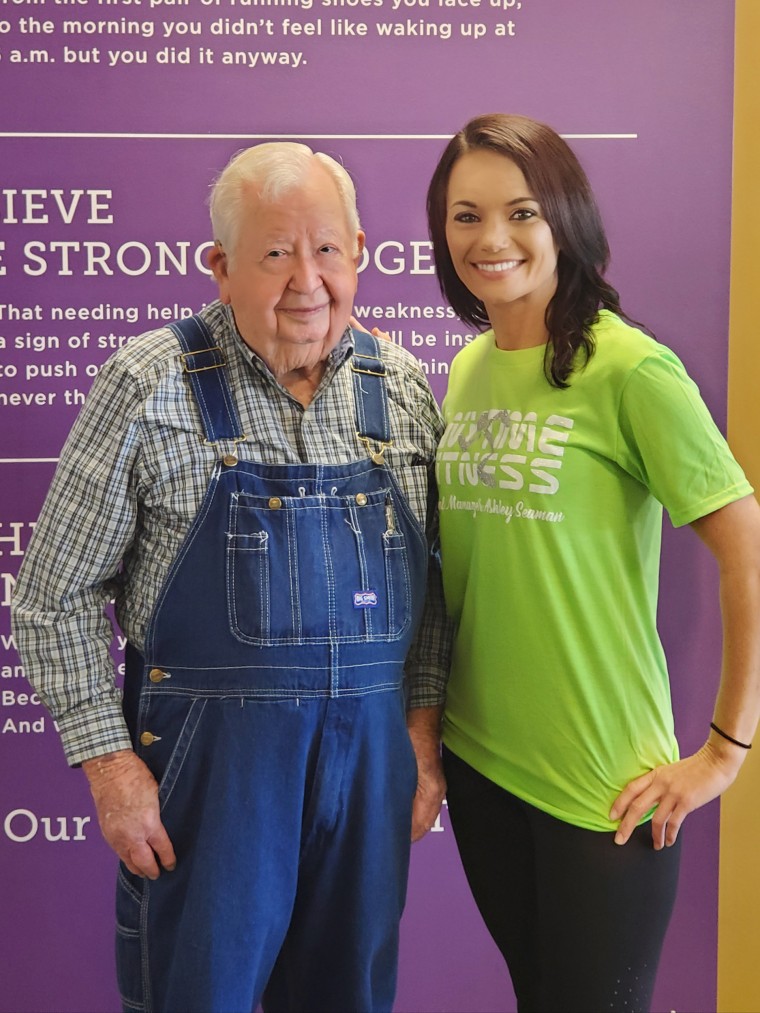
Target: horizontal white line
x=28 y=460
x=286 y=137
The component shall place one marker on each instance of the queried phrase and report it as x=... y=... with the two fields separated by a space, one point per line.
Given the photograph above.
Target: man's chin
x=303 y=355
x=319 y=337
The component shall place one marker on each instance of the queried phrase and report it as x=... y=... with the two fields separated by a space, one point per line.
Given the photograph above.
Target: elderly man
x=253 y=487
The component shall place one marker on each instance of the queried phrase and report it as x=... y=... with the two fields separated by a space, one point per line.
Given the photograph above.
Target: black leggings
x=579 y=920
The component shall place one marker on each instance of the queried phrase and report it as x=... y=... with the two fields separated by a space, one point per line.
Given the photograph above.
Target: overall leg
x=341 y=952
x=205 y=937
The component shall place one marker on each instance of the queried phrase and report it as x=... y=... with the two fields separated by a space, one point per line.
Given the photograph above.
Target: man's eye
x=328 y=248
x=276 y=253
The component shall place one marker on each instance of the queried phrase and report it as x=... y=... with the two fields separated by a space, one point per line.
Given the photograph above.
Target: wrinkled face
x=292 y=278
x=501 y=245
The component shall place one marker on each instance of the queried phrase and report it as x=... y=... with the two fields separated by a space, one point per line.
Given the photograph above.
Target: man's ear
x=216 y=259
x=360 y=237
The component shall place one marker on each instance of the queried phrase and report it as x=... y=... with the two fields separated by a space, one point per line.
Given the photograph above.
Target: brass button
x=156 y=675
x=275 y=503
x=147 y=739
x=230 y=460
x=361 y=499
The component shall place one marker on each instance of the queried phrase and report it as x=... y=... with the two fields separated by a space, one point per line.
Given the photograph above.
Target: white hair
x=274 y=168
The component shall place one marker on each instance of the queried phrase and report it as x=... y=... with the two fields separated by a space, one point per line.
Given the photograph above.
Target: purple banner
x=115 y=117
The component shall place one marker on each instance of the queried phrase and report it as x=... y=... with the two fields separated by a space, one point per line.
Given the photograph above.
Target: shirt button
x=275 y=503
x=156 y=674
x=148 y=738
x=361 y=499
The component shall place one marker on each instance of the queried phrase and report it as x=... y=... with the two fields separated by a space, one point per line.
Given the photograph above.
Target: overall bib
x=269 y=705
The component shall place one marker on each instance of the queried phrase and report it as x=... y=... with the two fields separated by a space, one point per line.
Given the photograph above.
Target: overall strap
x=370 y=395
x=205 y=365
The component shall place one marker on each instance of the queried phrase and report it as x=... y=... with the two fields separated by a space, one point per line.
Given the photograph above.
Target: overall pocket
x=317 y=569
x=167 y=726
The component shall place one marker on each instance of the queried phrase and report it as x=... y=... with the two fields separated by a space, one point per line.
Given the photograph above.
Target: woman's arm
x=733 y=536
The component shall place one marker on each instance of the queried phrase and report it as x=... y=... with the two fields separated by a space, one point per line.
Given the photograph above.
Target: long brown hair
x=562 y=189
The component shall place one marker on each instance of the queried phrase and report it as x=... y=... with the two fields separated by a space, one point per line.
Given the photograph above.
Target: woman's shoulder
x=632 y=363
x=622 y=346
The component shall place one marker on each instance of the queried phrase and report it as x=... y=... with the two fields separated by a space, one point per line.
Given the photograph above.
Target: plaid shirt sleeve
x=427 y=664
x=429 y=658
x=71 y=570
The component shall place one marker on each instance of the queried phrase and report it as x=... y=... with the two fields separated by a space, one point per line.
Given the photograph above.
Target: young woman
x=567 y=431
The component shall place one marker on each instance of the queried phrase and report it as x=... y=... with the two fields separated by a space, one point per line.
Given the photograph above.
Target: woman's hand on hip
x=673 y=791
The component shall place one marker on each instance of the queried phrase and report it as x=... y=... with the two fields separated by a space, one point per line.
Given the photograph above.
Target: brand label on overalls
x=365 y=599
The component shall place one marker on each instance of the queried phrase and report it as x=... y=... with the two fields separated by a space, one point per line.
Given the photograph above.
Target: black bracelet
x=730 y=738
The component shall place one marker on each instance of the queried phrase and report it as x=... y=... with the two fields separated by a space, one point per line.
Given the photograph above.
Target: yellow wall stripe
x=739 y=905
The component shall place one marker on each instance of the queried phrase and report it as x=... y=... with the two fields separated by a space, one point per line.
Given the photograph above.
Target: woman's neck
x=518 y=325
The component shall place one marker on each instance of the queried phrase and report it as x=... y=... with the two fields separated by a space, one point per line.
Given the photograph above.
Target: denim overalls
x=269 y=705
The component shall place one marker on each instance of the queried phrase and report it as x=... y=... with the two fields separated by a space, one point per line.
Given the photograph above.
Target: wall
x=108 y=145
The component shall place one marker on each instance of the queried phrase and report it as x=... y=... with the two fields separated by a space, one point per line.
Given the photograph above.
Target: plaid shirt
x=129 y=484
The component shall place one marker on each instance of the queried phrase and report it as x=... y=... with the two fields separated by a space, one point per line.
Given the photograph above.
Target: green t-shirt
x=550 y=510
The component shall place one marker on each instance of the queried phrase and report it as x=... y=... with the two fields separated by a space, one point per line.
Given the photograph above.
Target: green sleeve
x=668 y=440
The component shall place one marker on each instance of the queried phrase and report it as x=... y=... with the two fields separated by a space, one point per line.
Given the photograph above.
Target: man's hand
x=126 y=800
x=424 y=724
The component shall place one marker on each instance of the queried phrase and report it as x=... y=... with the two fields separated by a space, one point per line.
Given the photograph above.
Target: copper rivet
x=275 y=503
x=147 y=739
x=361 y=499
x=230 y=460
x=156 y=674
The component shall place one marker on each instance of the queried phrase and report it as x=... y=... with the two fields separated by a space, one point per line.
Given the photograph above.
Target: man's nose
x=306 y=277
